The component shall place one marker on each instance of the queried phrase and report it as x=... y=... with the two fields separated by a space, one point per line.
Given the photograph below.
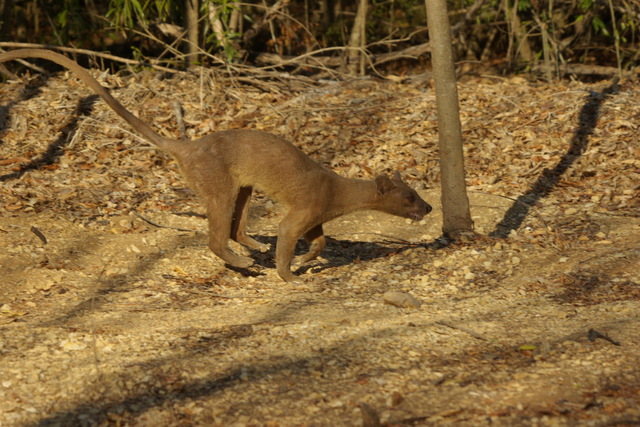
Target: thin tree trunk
x=192 y=44
x=355 y=55
x=235 y=21
x=6 y=26
x=519 y=33
x=455 y=203
x=216 y=23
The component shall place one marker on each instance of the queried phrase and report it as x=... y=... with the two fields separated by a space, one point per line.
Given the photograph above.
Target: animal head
x=397 y=198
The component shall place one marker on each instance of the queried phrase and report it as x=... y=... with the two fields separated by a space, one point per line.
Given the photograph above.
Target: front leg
x=219 y=215
x=316 y=240
x=289 y=231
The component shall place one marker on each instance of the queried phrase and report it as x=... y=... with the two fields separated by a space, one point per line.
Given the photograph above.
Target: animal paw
x=242 y=262
x=253 y=243
x=288 y=277
x=246 y=262
x=263 y=247
x=303 y=259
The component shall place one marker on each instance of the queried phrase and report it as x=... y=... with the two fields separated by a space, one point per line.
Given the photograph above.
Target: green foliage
x=68 y=9
x=226 y=40
x=164 y=8
x=62 y=18
x=599 y=26
x=571 y=31
x=524 y=5
x=126 y=13
x=69 y=20
x=585 y=5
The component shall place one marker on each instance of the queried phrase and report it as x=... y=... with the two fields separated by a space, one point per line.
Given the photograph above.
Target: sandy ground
x=114 y=312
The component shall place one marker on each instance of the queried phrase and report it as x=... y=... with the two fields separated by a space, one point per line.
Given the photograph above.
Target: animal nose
x=428 y=207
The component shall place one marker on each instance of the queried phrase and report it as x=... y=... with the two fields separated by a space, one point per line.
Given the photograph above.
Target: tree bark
x=192 y=44
x=355 y=53
x=522 y=48
x=6 y=8
x=455 y=203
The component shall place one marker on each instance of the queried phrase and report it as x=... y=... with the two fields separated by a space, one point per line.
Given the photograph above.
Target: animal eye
x=411 y=198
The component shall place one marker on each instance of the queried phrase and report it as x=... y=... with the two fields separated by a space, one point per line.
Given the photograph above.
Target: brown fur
x=224 y=167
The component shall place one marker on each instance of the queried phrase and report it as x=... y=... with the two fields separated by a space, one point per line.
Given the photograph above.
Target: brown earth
x=108 y=319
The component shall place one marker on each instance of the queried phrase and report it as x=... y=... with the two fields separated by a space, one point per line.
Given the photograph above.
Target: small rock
x=72 y=346
x=400 y=299
x=134 y=249
x=370 y=417
x=336 y=403
x=46 y=285
x=125 y=223
x=395 y=399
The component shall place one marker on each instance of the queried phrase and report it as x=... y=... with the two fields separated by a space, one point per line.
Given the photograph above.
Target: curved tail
x=147 y=132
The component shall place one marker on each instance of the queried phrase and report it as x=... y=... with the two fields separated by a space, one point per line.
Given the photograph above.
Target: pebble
x=72 y=346
x=400 y=299
x=571 y=211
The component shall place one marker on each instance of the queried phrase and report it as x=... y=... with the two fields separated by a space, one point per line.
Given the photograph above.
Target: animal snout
x=422 y=209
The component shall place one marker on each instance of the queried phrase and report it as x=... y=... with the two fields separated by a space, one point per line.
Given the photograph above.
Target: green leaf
x=527 y=347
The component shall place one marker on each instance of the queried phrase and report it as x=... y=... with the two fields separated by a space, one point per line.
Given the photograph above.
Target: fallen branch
x=155 y=224
x=179 y=112
x=412 y=52
x=580 y=69
x=460 y=328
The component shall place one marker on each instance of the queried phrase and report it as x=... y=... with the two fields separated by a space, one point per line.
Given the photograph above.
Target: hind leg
x=220 y=209
x=239 y=223
x=316 y=240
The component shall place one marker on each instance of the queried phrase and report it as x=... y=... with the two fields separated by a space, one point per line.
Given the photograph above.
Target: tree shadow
x=29 y=91
x=105 y=286
x=170 y=387
x=546 y=183
x=56 y=148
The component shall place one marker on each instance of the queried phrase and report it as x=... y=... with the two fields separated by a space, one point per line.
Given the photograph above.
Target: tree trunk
x=327 y=17
x=355 y=53
x=522 y=48
x=455 y=203
x=235 y=21
x=216 y=24
x=6 y=24
x=192 y=45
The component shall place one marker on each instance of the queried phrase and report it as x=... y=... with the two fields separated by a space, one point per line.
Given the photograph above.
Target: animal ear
x=384 y=184
x=397 y=177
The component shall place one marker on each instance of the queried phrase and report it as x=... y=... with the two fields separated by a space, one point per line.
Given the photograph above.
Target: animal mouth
x=415 y=216
x=418 y=214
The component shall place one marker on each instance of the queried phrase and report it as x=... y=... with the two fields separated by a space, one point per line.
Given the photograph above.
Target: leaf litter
x=115 y=312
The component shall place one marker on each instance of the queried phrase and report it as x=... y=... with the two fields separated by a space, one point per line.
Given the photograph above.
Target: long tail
x=140 y=126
